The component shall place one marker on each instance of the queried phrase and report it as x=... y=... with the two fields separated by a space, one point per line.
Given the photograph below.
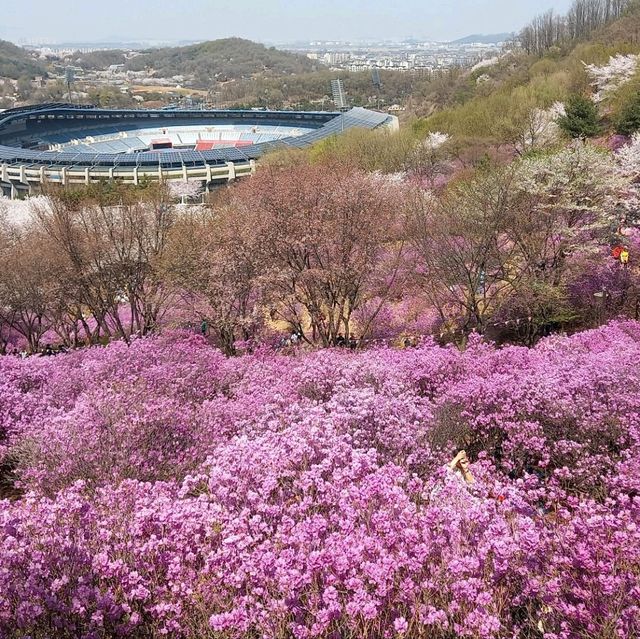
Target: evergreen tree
x=629 y=119
x=581 y=119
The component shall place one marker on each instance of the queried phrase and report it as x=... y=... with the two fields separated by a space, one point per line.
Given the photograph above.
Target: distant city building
x=406 y=56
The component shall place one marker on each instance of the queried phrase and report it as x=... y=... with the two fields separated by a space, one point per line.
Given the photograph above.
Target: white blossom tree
x=488 y=62
x=628 y=166
x=186 y=190
x=608 y=78
x=580 y=182
x=20 y=211
x=435 y=140
x=628 y=158
x=540 y=128
x=430 y=159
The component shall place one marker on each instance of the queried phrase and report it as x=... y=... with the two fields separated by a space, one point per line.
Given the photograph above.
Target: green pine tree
x=581 y=119
x=628 y=121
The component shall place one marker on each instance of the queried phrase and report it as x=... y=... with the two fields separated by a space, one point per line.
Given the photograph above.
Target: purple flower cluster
x=169 y=491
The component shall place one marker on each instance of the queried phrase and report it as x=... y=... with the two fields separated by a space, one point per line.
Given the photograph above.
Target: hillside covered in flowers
x=193 y=495
x=387 y=387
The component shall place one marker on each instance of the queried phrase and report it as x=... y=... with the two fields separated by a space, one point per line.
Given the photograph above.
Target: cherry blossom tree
x=501 y=247
x=185 y=190
x=628 y=158
x=112 y=259
x=461 y=251
x=27 y=284
x=19 y=211
x=430 y=161
x=541 y=128
x=608 y=78
x=435 y=140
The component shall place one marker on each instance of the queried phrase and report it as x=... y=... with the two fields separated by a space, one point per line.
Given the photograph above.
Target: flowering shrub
x=19 y=211
x=169 y=491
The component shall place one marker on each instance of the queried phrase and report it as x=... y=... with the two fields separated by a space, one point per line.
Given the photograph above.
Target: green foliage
x=16 y=62
x=312 y=90
x=98 y=60
x=497 y=116
x=625 y=107
x=495 y=112
x=581 y=119
x=109 y=97
x=544 y=67
x=107 y=193
x=628 y=121
x=24 y=87
x=367 y=150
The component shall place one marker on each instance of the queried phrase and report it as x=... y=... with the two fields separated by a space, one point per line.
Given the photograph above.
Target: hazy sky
x=26 y=21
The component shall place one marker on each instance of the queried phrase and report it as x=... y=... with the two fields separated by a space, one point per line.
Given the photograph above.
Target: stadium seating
x=116 y=140
x=91 y=137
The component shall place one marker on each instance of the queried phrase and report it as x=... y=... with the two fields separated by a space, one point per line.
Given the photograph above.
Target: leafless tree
x=113 y=257
x=583 y=18
x=329 y=241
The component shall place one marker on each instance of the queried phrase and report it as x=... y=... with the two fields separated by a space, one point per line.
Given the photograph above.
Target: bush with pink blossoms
x=169 y=491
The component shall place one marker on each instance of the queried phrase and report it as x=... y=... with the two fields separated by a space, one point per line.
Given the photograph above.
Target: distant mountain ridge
x=492 y=38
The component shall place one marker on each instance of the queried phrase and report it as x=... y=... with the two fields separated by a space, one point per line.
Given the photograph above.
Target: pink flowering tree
x=329 y=240
x=430 y=164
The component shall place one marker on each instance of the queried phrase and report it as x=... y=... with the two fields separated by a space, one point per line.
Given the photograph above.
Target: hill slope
x=230 y=58
x=493 y=38
x=16 y=62
x=494 y=103
x=99 y=60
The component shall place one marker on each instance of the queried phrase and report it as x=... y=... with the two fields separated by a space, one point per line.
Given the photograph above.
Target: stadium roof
x=321 y=125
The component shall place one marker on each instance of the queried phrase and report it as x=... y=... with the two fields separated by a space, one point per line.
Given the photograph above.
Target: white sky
x=32 y=21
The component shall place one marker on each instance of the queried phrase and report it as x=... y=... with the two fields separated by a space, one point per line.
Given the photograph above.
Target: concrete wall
x=22 y=178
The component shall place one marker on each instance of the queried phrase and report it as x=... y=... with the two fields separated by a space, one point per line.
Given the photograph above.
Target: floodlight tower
x=69 y=78
x=339 y=96
x=375 y=78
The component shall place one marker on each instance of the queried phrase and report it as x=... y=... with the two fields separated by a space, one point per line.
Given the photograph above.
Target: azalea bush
x=161 y=489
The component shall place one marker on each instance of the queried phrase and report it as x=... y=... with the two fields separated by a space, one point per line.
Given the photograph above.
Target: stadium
x=70 y=144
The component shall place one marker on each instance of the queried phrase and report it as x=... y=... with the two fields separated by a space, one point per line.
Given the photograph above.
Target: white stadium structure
x=70 y=144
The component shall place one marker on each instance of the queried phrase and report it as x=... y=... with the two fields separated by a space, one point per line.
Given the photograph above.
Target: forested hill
x=16 y=62
x=562 y=59
x=493 y=38
x=98 y=60
x=230 y=58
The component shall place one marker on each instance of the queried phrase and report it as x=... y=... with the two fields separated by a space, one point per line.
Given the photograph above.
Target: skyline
x=278 y=21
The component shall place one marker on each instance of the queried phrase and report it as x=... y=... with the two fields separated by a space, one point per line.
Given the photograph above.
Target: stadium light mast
x=69 y=76
x=375 y=78
x=339 y=95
